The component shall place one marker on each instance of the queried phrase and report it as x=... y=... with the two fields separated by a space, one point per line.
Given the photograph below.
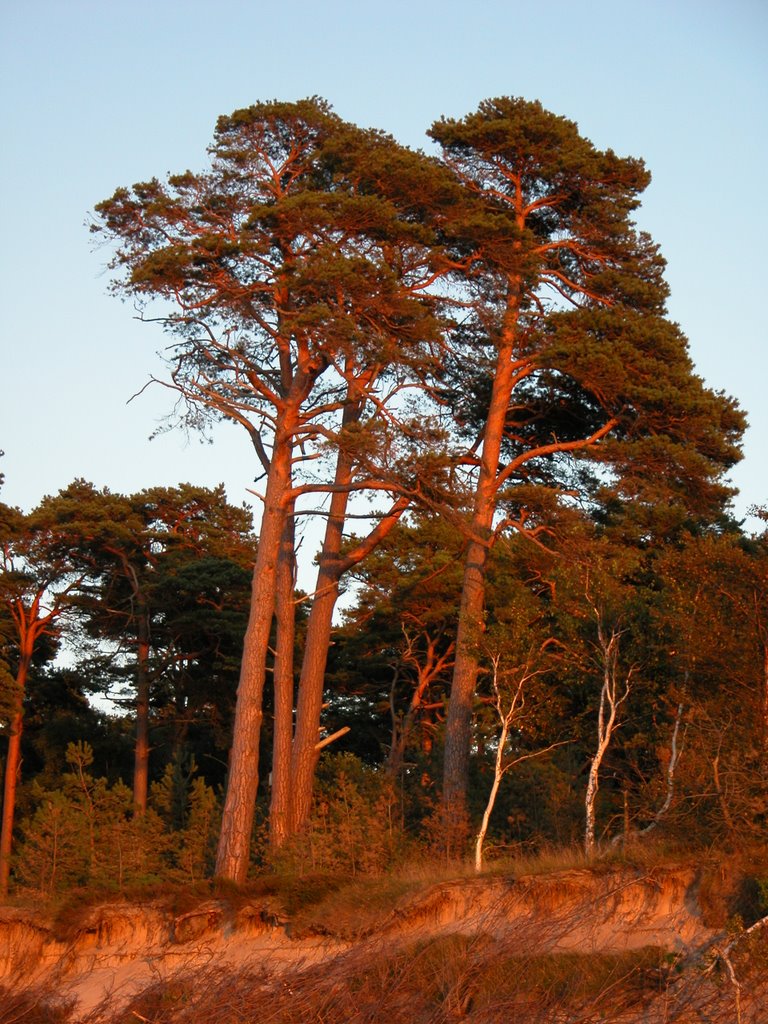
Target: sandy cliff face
x=570 y=910
x=116 y=950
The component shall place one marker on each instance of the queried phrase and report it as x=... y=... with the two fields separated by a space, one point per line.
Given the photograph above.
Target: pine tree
x=563 y=347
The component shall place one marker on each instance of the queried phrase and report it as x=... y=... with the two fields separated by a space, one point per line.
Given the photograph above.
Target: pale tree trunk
x=141 y=756
x=279 y=812
x=12 y=768
x=721 y=795
x=506 y=717
x=233 y=852
x=674 y=756
x=610 y=702
x=498 y=766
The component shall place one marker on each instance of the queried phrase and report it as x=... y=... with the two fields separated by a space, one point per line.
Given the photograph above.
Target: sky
x=96 y=95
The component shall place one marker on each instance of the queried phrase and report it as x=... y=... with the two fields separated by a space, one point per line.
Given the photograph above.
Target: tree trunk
x=11 y=781
x=310 y=698
x=610 y=702
x=279 y=812
x=311 y=683
x=141 y=757
x=498 y=774
x=458 y=732
x=593 y=783
x=458 y=729
x=243 y=781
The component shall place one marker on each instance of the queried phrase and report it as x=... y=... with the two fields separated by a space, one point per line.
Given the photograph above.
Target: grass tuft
x=41 y=1006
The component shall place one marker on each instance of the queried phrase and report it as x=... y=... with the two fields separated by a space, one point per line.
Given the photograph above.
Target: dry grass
x=331 y=903
x=450 y=979
x=43 y=1006
x=445 y=978
x=351 y=909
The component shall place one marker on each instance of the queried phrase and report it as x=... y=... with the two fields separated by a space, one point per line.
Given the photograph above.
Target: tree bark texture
x=311 y=683
x=310 y=697
x=12 y=764
x=459 y=721
x=12 y=768
x=280 y=803
x=233 y=852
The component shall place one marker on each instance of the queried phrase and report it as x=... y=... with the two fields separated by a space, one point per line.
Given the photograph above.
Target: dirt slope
x=118 y=950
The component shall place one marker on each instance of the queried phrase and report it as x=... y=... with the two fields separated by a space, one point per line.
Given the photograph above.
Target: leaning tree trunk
x=310 y=698
x=610 y=702
x=233 y=852
x=331 y=568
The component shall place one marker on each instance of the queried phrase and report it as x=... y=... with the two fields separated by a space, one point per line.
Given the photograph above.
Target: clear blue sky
x=100 y=94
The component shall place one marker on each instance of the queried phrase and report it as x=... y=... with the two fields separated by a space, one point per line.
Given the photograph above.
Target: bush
x=355 y=827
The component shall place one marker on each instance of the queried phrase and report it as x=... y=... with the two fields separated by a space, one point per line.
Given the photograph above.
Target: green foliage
x=86 y=834
x=355 y=827
x=397 y=304
x=192 y=814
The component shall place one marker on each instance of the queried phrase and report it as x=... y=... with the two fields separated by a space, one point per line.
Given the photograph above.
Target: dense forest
x=460 y=371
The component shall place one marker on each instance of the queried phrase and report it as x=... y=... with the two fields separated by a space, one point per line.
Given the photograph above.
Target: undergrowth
x=442 y=978
x=42 y=1006
x=333 y=903
x=446 y=979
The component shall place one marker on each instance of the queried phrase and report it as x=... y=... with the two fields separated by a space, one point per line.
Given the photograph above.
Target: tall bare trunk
x=242 y=784
x=11 y=781
x=141 y=757
x=310 y=698
x=332 y=567
x=498 y=774
x=279 y=812
x=459 y=721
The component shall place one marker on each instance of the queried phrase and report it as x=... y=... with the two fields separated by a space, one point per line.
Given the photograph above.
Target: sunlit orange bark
x=280 y=804
x=473 y=590
x=12 y=766
x=331 y=569
x=237 y=820
x=30 y=625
